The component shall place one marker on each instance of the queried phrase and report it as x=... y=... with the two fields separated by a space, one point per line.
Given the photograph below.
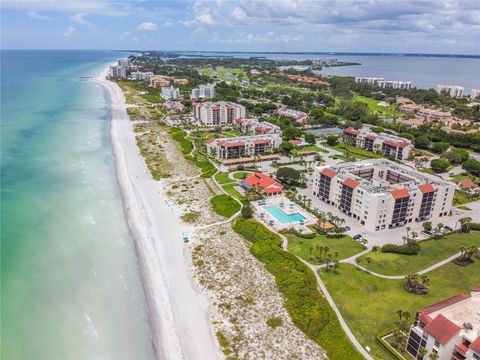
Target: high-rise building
x=170 y=93
x=381 y=194
x=217 y=113
x=475 y=94
x=203 y=92
x=452 y=90
x=243 y=146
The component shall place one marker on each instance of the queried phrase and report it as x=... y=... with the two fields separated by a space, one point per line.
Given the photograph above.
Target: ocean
x=425 y=72
x=69 y=276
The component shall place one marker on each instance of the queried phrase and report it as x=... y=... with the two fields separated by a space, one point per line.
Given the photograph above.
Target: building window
x=437 y=344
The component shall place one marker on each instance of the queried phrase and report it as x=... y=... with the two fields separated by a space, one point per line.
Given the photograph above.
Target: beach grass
x=224 y=205
x=309 y=310
x=432 y=252
x=369 y=303
x=309 y=249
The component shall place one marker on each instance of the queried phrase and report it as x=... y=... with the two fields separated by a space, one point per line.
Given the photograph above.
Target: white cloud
x=80 y=19
x=147 y=26
x=69 y=32
x=34 y=15
x=203 y=19
x=167 y=24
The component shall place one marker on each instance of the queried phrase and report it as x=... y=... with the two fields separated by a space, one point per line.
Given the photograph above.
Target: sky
x=419 y=26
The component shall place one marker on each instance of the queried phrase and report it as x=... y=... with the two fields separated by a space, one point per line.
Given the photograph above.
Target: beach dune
x=179 y=314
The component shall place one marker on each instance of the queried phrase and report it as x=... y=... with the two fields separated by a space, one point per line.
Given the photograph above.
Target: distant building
x=385 y=84
x=299 y=116
x=217 y=113
x=139 y=75
x=159 y=80
x=117 y=72
x=170 y=93
x=368 y=80
x=243 y=146
x=468 y=186
x=262 y=183
x=255 y=127
x=452 y=90
x=381 y=194
x=173 y=106
x=389 y=145
x=450 y=328
x=475 y=94
x=124 y=63
x=325 y=62
x=203 y=92
x=180 y=81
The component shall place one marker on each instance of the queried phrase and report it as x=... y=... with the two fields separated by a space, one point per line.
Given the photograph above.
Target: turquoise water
x=69 y=275
x=281 y=216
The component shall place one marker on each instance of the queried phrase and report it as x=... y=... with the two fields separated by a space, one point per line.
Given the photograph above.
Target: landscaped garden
x=460 y=198
x=316 y=250
x=369 y=303
x=432 y=252
x=355 y=152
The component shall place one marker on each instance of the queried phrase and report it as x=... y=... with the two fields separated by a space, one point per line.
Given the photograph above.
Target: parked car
x=357 y=237
x=347 y=228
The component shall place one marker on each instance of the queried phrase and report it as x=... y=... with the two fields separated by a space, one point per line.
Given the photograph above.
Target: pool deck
x=288 y=207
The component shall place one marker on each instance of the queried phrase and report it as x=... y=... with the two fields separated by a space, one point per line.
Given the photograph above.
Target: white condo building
x=450 y=328
x=243 y=146
x=382 y=194
x=170 y=93
x=369 y=80
x=139 y=75
x=119 y=70
x=452 y=90
x=217 y=113
x=387 y=144
x=385 y=84
x=475 y=94
x=203 y=92
x=325 y=62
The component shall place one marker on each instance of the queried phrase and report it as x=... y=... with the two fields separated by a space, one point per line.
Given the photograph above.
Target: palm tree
x=320 y=251
x=326 y=248
x=465 y=224
x=433 y=356
x=311 y=250
x=336 y=266
x=414 y=235
x=408 y=228
x=359 y=262
x=369 y=261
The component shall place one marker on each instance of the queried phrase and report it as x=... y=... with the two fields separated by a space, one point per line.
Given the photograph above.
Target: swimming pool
x=281 y=216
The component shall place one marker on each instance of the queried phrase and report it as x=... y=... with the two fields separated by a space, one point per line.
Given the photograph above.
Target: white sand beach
x=179 y=313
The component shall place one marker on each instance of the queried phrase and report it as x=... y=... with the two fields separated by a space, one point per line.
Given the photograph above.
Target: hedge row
x=299 y=234
x=309 y=310
x=387 y=346
x=408 y=249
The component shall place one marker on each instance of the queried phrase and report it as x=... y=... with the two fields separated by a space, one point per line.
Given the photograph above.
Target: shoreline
x=178 y=313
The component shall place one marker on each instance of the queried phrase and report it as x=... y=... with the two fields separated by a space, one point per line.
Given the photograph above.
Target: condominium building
x=452 y=90
x=475 y=94
x=382 y=194
x=389 y=145
x=159 y=80
x=255 y=127
x=203 y=92
x=170 y=93
x=123 y=62
x=299 y=116
x=139 y=75
x=217 y=113
x=243 y=146
x=450 y=328
x=386 y=84
x=117 y=72
x=394 y=84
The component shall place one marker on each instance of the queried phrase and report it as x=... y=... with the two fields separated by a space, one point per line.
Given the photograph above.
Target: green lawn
x=223 y=178
x=464 y=176
x=390 y=111
x=179 y=136
x=431 y=252
x=356 y=152
x=460 y=198
x=229 y=188
x=241 y=175
x=368 y=303
x=205 y=166
x=224 y=205
x=307 y=148
x=345 y=246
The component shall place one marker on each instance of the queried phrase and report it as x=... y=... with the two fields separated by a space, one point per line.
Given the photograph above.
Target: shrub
x=412 y=248
x=224 y=205
x=275 y=322
x=247 y=211
x=439 y=165
x=298 y=233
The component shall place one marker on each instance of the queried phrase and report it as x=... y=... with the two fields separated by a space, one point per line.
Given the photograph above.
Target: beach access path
x=179 y=313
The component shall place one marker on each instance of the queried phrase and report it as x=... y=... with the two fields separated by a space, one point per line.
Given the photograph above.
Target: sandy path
x=178 y=312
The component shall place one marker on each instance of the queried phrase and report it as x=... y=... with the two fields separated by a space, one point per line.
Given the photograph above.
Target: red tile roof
x=444 y=303
x=260 y=142
x=231 y=144
x=424 y=318
x=295 y=142
x=371 y=137
x=239 y=120
x=475 y=346
x=351 y=183
x=400 y=193
x=328 y=172
x=441 y=329
x=351 y=131
x=467 y=184
x=391 y=143
x=264 y=181
x=426 y=188
x=475 y=289
x=210 y=140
